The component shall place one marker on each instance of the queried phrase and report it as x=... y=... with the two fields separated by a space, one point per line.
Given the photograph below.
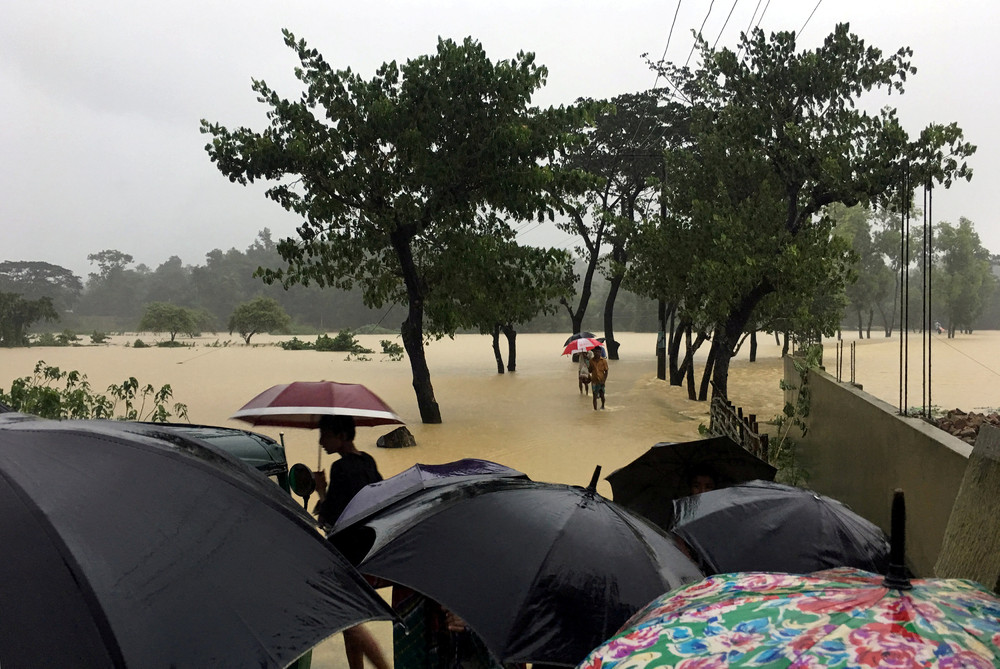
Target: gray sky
x=102 y=99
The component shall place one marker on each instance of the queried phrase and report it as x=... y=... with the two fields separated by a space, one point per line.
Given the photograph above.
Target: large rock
x=398 y=438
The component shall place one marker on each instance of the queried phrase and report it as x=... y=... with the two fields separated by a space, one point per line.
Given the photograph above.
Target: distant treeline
x=114 y=296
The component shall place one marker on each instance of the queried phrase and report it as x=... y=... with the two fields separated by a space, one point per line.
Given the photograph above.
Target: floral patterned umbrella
x=834 y=618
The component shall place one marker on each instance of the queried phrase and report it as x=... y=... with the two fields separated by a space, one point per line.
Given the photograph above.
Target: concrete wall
x=859 y=449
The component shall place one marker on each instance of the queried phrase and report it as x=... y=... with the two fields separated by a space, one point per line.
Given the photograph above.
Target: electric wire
x=700 y=30
x=731 y=9
x=818 y=3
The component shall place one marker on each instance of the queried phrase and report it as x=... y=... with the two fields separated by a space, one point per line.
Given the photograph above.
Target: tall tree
x=18 y=314
x=966 y=280
x=776 y=136
x=169 y=318
x=381 y=170
x=34 y=279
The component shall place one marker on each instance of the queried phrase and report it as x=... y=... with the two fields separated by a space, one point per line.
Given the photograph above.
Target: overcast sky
x=101 y=100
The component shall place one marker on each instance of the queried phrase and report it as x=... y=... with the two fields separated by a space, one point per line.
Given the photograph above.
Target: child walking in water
x=598 y=375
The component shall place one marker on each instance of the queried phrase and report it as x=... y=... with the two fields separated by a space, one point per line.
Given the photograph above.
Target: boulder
x=398 y=438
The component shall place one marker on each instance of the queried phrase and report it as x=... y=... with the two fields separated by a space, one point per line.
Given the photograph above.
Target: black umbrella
x=542 y=572
x=649 y=484
x=580 y=335
x=767 y=526
x=125 y=545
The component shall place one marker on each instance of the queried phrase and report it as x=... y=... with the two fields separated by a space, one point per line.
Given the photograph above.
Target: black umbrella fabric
x=649 y=484
x=122 y=548
x=580 y=335
x=542 y=572
x=767 y=526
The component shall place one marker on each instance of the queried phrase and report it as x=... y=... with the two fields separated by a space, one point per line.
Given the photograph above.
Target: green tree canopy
x=966 y=280
x=35 y=279
x=170 y=318
x=18 y=314
x=383 y=170
x=262 y=314
x=775 y=136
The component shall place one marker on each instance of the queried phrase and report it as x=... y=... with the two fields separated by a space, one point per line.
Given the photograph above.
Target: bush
x=296 y=344
x=344 y=341
x=140 y=344
x=170 y=343
x=98 y=338
x=392 y=349
x=41 y=395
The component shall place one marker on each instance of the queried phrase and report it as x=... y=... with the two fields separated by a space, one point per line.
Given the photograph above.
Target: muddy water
x=534 y=420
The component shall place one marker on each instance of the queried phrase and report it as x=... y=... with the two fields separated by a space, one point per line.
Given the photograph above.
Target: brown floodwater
x=534 y=420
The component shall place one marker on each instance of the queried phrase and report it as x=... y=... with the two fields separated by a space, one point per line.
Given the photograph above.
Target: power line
x=749 y=27
x=810 y=17
x=669 y=37
x=691 y=52
x=725 y=24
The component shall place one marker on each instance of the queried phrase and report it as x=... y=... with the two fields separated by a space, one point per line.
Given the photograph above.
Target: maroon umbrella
x=303 y=403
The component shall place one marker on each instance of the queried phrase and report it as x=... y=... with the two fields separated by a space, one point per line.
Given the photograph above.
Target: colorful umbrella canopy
x=123 y=544
x=649 y=484
x=836 y=618
x=303 y=403
x=542 y=572
x=581 y=345
x=767 y=526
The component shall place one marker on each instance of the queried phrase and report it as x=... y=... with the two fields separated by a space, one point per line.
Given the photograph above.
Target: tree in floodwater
x=501 y=285
x=775 y=137
x=18 y=314
x=261 y=314
x=383 y=170
x=965 y=283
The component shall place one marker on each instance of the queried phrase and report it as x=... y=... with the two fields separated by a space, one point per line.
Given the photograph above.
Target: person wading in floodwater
x=598 y=375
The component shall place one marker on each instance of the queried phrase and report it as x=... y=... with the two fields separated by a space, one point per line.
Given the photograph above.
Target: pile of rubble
x=964 y=425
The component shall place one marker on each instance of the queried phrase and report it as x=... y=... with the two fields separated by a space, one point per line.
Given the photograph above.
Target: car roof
x=257 y=450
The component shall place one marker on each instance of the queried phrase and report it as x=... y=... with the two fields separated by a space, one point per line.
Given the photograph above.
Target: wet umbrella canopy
x=581 y=345
x=541 y=572
x=129 y=546
x=649 y=484
x=840 y=618
x=766 y=526
x=303 y=403
x=376 y=496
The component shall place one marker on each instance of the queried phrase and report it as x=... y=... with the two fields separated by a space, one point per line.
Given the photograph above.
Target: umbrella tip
x=594 y=478
x=895 y=576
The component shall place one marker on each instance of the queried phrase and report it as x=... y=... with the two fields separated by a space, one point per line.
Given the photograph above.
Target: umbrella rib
x=90 y=597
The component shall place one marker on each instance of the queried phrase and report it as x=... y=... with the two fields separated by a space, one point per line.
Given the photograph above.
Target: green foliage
x=383 y=184
x=53 y=393
x=795 y=414
x=140 y=344
x=773 y=136
x=35 y=279
x=170 y=318
x=262 y=314
x=296 y=344
x=965 y=282
x=173 y=344
x=98 y=337
x=344 y=341
x=17 y=314
x=392 y=349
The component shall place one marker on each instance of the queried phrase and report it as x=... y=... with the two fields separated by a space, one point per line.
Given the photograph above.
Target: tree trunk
x=412 y=330
x=753 y=346
x=861 y=325
x=609 y=318
x=711 y=369
x=688 y=366
x=722 y=341
x=871 y=317
x=784 y=345
x=496 y=348
x=511 y=334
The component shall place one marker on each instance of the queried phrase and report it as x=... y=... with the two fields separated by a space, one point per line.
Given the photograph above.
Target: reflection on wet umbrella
x=767 y=526
x=542 y=572
x=649 y=484
x=836 y=618
x=377 y=496
x=125 y=545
